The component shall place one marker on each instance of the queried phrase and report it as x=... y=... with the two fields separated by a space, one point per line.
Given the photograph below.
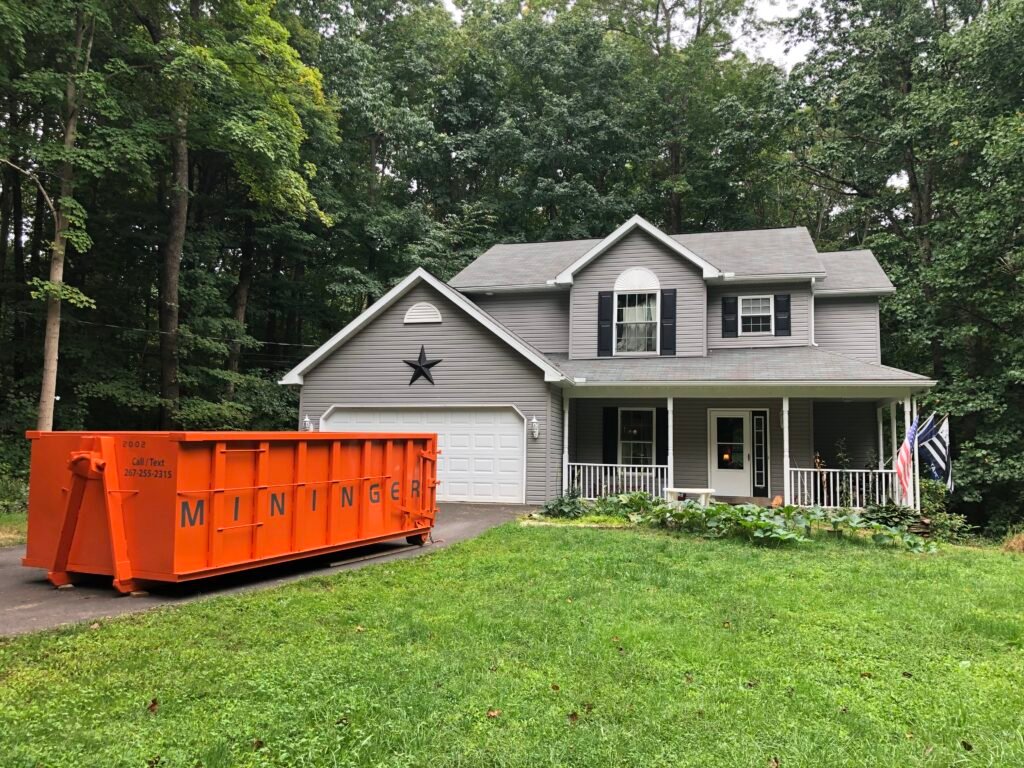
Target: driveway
x=29 y=603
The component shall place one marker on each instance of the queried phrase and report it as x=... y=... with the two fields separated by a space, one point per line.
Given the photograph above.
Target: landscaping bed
x=542 y=645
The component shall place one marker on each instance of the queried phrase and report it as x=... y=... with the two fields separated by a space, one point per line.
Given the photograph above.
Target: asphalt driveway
x=29 y=603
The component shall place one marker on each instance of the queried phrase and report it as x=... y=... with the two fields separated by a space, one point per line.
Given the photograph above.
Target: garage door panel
x=481 y=448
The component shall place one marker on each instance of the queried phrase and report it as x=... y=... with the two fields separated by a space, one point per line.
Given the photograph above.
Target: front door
x=729 y=452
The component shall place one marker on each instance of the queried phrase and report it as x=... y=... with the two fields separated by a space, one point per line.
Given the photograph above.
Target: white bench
x=703 y=494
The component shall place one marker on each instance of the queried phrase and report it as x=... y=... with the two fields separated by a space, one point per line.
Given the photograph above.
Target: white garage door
x=482 y=449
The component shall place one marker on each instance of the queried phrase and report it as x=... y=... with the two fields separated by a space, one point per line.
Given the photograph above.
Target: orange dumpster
x=176 y=506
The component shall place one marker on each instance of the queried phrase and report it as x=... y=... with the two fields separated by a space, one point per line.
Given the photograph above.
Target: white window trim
x=654 y=436
x=771 y=315
x=657 y=324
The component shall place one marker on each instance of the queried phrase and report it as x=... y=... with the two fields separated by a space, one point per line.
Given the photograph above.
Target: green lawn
x=588 y=647
x=13 y=526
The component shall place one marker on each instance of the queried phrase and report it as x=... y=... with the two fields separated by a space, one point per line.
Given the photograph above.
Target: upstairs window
x=756 y=314
x=636 y=326
x=636 y=312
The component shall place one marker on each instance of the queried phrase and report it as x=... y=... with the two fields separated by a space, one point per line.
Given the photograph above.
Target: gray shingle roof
x=520 y=265
x=778 y=364
x=750 y=253
x=853 y=272
x=757 y=251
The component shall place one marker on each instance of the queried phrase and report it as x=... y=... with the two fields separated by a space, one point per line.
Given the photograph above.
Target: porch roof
x=776 y=365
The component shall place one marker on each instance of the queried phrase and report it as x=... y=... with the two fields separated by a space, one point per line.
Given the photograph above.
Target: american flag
x=904 y=463
x=933 y=449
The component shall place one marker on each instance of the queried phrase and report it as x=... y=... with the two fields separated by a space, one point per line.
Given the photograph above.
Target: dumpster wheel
x=418 y=539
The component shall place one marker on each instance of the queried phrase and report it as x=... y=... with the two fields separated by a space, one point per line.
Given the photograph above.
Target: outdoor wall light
x=534 y=427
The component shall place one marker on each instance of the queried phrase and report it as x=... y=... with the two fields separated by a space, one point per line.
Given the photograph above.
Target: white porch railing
x=855 y=488
x=596 y=480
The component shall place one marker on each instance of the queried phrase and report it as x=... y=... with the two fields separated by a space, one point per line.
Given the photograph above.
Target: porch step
x=761 y=501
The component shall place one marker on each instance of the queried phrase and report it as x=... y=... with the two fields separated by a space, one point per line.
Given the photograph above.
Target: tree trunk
x=35 y=247
x=171 y=269
x=246 y=268
x=51 y=333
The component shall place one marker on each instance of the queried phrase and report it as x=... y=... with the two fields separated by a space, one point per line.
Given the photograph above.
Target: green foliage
x=13 y=495
x=892 y=514
x=44 y=290
x=775 y=525
x=568 y=506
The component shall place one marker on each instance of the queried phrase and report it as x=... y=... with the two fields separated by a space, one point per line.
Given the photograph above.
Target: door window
x=729 y=447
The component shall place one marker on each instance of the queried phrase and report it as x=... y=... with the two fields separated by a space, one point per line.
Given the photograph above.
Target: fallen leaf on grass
x=492 y=713
x=556 y=687
x=153 y=705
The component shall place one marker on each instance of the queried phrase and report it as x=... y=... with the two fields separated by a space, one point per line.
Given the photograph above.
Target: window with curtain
x=636 y=322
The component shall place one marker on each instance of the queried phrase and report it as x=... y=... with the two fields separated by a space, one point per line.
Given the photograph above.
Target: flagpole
x=917 y=464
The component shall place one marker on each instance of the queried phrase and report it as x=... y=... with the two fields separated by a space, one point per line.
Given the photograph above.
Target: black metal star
x=421 y=367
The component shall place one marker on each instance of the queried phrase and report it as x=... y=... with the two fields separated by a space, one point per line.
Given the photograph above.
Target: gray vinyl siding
x=800 y=316
x=690 y=438
x=477 y=368
x=848 y=326
x=541 y=318
x=854 y=423
x=638 y=249
x=553 y=476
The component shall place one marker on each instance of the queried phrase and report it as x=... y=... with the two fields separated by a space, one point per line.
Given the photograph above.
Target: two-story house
x=725 y=360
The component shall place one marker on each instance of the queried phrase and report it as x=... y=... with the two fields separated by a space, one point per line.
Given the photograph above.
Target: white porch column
x=881 y=438
x=892 y=435
x=671 y=447
x=917 y=468
x=565 y=442
x=787 y=491
x=909 y=500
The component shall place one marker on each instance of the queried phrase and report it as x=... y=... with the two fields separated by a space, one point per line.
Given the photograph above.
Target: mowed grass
x=543 y=646
x=13 y=527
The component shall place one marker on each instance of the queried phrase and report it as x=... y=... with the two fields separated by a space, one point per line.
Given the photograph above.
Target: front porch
x=823 y=451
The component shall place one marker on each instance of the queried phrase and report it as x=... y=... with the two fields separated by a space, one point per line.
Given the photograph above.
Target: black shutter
x=610 y=436
x=782 y=324
x=605 y=310
x=668 y=321
x=729 y=326
x=661 y=436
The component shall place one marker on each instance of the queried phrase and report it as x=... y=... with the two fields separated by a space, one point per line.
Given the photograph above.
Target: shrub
x=1014 y=541
x=891 y=514
x=765 y=525
x=567 y=506
x=607 y=506
x=13 y=495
